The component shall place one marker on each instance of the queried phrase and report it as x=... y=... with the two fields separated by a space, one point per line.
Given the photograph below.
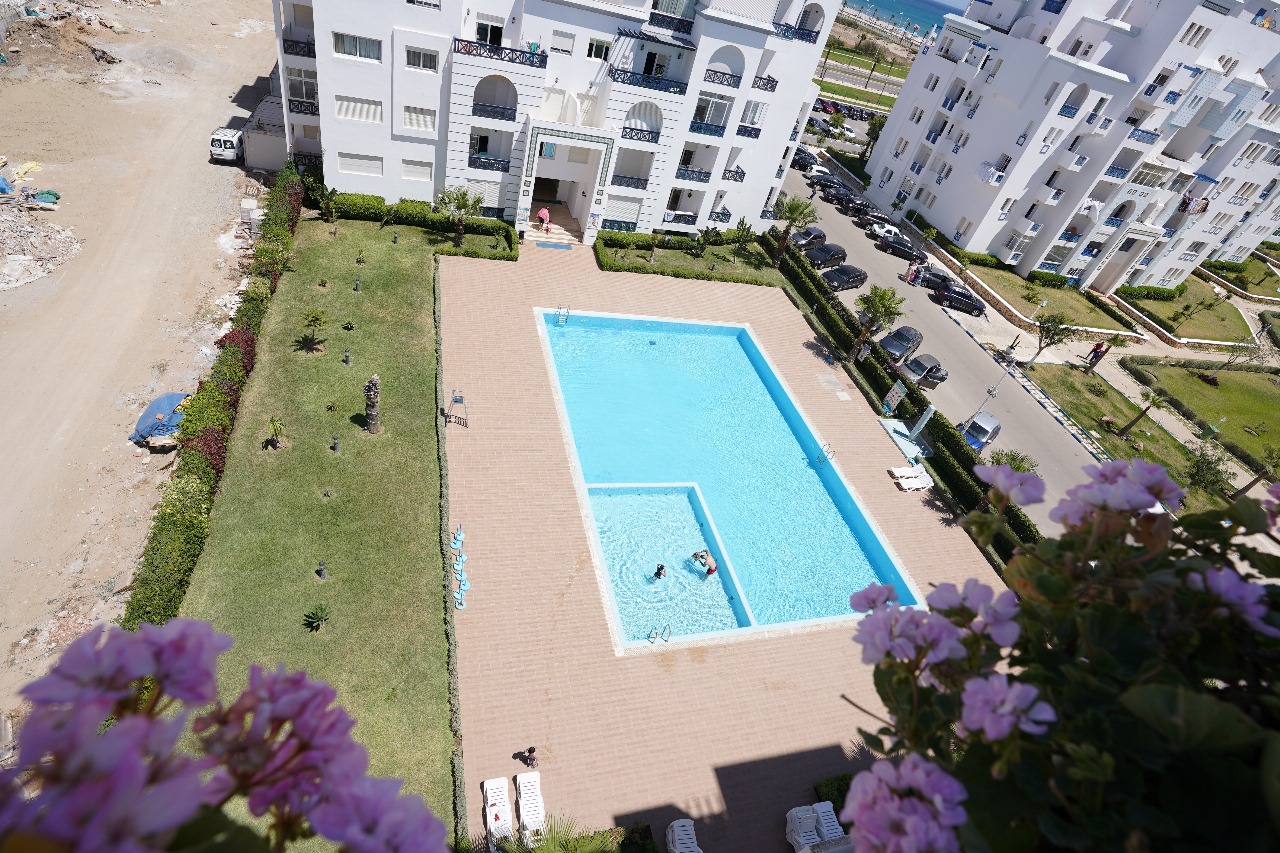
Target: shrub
x=227 y=369
x=211 y=444
x=177 y=536
x=1048 y=279
x=834 y=789
x=855 y=164
x=977 y=259
x=1147 y=291
x=192 y=463
x=246 y=342
x=371 y=208
x=210 y=406
x=1228 y=267
x=606 y=261
x=253 y=306
x=1107 y=308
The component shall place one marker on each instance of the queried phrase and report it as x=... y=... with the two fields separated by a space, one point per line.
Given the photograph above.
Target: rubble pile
x=56 y=10
x=31 y=246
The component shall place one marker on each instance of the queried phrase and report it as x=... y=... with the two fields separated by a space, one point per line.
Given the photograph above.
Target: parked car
x=802 y=163
x=956 y=295
x=227 y=144
x=844 y=277
x=820 y=105
x=871 y=217
x=901 y=343
x=901 y=248
x=826 y=255
x=810 y=238
x=816 y=170
x=882 y=230
x=924 y=370
x=828 y=107
x=838 y=194
x=980 y=430
x=848 y=110
x=823 y=181
x=859 y=206
x=931 y=278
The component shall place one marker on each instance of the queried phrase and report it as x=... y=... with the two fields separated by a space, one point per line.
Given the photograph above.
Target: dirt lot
x=133 y=314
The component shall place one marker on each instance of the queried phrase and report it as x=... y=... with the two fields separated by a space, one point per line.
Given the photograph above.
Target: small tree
x=1207 y=470
x=743 y=234
x=373 y=405
x=1113 y=342
x=875 y=124
x=1054 y=329
x=881 y=305
x=1151 y=399
x=837 y=120
x=1270 y=464
x=325 y=197
x=275 y=432
x=1247 y=350
x=929 y=234
x=793 y=213
x=706 y=237
x=1015 y=459
x=1191 y=309
x=313 y=322
x=459 y=203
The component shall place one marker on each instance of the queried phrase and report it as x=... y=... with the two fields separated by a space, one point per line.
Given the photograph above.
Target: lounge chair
x=681 y=837
x=533 y=812
x=497 y=811
x=802 y=827
x=915 y=484
x=907 y=471
x=828 y=825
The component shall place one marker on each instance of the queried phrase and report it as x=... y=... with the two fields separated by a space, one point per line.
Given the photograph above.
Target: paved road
x=1026 y=426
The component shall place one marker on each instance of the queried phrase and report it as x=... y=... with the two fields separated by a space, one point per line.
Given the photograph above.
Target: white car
x=226 y=144
x=883 y=230
x=815 y=171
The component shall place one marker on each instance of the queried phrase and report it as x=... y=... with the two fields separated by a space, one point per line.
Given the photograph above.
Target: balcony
x=897 y=155
x=1116 y=172
x=639 y=134
x=617 y=225
x=973 y=112
x=1112 y=222
x=795 y=134
x=994 y=180
x=1048 y=267
x=1264 y=196
x=644 y=81
x=917 y=167
x=1068 y=111
x=1168 y=232
x=1150 y=90
x=1069 y=237
x=1144 y=261
x=1054 y=7
x=670 y=22
x=688 y=173
x=955 y=149
x=303 y=108
x=781 y=169
x=1077 y=163
x=293 y=47
x=706 y=128
x=1086 y=252
x=768 y=213
x=494 y=111
x=721 y=215
x=786 y=31
x=737 y=175
x=1172 y=97
x=767 y=84
x=629 y=181
x=1034 y=227
x=304 y=160
x=723 y=78
x=500 y=53
x=1144 y=136
x=1187 y=256
x=681 y=218
x=949 y=104
x=1090 y=118
x=1105 y=123
x=489 y=164
x=1055 y=196
x=754 y=132
x=932 y=138
x=493 y=212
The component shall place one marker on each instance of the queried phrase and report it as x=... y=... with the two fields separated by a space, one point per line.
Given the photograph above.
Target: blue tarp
x=159 y=418
x=5 y=187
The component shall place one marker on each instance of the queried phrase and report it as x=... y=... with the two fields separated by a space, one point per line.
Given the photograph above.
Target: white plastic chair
x=497 y=810
x=681 y=838
x=533 y=811
x=915 y=484
x=802 y=827
x=828 y=825
x=907 y=471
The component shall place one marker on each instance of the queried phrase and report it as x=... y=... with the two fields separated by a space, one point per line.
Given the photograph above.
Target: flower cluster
x=995 y=707
x=913 y=806
x=1272 y=505
x=986 y=613
x=125 y=787
x=1022 y=489
x=905 y=634
x=1122 y=486
x=1238 y=596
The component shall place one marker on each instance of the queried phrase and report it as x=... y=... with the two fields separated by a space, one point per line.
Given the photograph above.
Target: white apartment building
x=1111 y=141
x=637 y=115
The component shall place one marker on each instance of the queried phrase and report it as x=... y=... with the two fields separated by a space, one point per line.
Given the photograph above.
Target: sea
x=921 y=13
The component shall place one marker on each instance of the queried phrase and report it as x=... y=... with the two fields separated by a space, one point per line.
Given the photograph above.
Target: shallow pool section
x=686 y=439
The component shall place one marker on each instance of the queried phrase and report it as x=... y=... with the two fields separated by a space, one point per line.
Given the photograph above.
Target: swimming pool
x=687 y=440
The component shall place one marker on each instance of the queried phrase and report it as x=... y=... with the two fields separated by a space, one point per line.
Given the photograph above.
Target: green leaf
x=1270 y=772
x=1191 y=720
x=1062 y=834
x=1264 y=563
x=1250 y=515
x=211 y=831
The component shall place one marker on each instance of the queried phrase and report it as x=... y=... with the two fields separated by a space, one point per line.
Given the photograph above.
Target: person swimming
x=660 y=573
x=709 y=562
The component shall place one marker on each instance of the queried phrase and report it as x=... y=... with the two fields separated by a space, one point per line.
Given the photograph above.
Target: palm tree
x=1270 y=464
x=794 y=213
x=1113 y=342
x=1151 y=399
x=373 y=405
x=460 y=203
x=882 y=305
x=275 y=429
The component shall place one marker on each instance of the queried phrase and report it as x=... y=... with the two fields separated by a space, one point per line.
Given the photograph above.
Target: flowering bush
x=124 y=786
x=1121 y=696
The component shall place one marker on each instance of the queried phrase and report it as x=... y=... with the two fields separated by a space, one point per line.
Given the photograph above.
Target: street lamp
x=1043 y=303
x=991 y=395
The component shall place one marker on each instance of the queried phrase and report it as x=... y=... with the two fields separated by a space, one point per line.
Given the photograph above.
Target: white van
x=226 y=144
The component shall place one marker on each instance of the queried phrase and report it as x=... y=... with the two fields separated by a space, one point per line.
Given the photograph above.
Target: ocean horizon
x=921 y=13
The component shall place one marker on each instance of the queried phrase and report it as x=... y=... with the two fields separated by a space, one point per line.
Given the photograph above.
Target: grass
x=1088 y=399
x=1260 y=277
x=371 y=512
x=1223 y=323
x=853 y=93
x=846 y=57
x=1067 y=300
x=1244 y=398
x=752 y=262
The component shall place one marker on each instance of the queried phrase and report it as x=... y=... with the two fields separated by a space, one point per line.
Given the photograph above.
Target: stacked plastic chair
x=460 y=569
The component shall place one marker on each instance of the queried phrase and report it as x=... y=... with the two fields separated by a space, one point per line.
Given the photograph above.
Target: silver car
x=980 y=430
x=925 y=371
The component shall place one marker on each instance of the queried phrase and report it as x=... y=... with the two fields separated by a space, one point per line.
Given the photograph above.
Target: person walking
x=1095 y=354
x=814 y=191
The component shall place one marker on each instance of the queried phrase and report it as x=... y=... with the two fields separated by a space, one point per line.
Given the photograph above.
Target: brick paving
x=731 y=733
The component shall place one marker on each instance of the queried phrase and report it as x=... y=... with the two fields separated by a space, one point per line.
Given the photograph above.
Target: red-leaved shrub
x=247 y=342
x=211 y=443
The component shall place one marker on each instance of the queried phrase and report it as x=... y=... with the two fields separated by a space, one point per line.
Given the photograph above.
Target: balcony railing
x=787 y=31
x=781 y=169
x=768 y=213
x=1069 y=237
x=737 y=175
x=751 y=132
x=304 y=108
x=1034 y=228
x=682 y=218
x=955 y=149
x=1105 y=123
x=647 y=81
x=767 y=84
x=1078 y=162
x=494 y=111
x=811 y=36
x=1054 y=7
x=795 y=134
x=1116 y=172
x=493 y=212
x=304 y=160
x=1144 y=136
x=897 y=155
x=723 y=78
x=686 y=173
x=1151 y=90
x=639 y=134
x=1068 y=111
x=1172 y=97
x=1169 y=232
x=721 y=215
x=1089 y=253
x=949 y=104
x=617 y=225
x=670 y=22
x=1264 y=196
x=629 y=181
x=500 y=53
x=1144 y=261
x=1048 y=267
x=293 y=47
x=933 y=137
x=1090 y=118
x=489 y=164
x=917 y=167
x=706 y=128
x=1057 y=194
x=1112 y=222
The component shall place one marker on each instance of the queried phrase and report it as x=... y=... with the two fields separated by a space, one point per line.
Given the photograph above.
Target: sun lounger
x=533 y=812
x=802 y=827
x=915 y=484
x=907 y=471
x=681 y=837
x=828 y=825
x=497 y=810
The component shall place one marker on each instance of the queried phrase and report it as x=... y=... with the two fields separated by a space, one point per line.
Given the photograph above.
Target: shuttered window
x=358 y=109
x=622 y=208
x=419 y=118
x=360 y=164
x=422 y=59
x=417 y=170
x=490 y=191
x=561 y=42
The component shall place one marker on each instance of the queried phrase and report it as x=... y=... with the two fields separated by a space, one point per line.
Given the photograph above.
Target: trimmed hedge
x=1147 y=291
x=976 y=259
x=253 y=306
x=1154 y=318
x=852 y=162
x=177 y=536
x=607 y=263
x=1048 y=279
x=1273 y=329
x=1110 y=310
x=420 y=214
x=1228 y=267
x=834 y=789
x=370 y=208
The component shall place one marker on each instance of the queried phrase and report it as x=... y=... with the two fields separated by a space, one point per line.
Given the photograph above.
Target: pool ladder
x=824 y=455
x=664 y=635
x=562 y=315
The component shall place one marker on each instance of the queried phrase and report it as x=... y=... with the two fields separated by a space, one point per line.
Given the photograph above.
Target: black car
x=838 y=195
x=932 y=279
x=871 y=217
x=810 y=238
x=901 y=344
x=901 y=248
x=803 y=161
x=819 y=125
x=844 y=277
x=858 y=206
x=821 y=181
x=847 y=110
x=826 y=255
x=956 y=295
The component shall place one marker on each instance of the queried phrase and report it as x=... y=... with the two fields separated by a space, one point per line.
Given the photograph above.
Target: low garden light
x=321 y=572
x=335 y=445
x=357 y=284
x=395 y=237
x=346 y=357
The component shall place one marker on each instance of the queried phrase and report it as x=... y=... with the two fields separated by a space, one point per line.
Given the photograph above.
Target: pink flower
x=186 y=658
x=1021 y=489
x=908 y=635
x=1239 y=596
x=1117 y=486
x=872 y=597
x=995 y=707
x=1272 y=506
x=99 y=667
x=993 y=615
x=913 y=807
x=370 y=815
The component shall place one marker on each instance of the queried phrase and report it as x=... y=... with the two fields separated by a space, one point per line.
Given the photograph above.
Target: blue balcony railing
x=949 y=104
x=670 y=22
x=706 y=128
x=737 y=175
x=811 y=36
x=1090 y=118
x=1089 y=253
x=1070 y=237
x=1144 y=261
x=489 y=164
x=768 y=213
x=493 y=212
x=1105 y=123
x=955 y=149
x=795 y=134
x=1054 y=7
x=494 y=111
x=1169 y=232
x=1068 y=111
x=787 y=31
x=973 y=112
x=1150 y=90
x=1144 y=136
x=500 y=53
x=897 y=155
x=917 y=167
x=304 y=108
x=1264 y=196
x=683 y=218
x=1113 y=222
x=750 y=132
x=647 y=81
x=639 y=134
x=933 y=137
x=1172 y=97
x=688 y=173
x=1080 y=161
x=1057 y=194
x=723 y=78
x=292 y=47
x=1048 y=267
x=629 y=181
x=778 y=174
x=766 y=84
x=1116 y=172
x=1035 y=227
x=301 y=159
x=617 y=225
x=721 y=215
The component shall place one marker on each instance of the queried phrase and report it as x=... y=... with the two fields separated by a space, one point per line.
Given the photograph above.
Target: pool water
x=687 y=440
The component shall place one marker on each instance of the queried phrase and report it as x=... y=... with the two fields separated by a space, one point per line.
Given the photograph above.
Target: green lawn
x=846 y=57
x=1223 y=323
x=1088 y=399
x=1066 y=300
x=853 y=93
x=1246 y=400
x=753 y=262
x=371 y=512
x=1260 y=277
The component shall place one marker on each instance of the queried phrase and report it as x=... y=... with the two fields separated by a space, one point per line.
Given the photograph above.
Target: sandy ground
x=134 y=314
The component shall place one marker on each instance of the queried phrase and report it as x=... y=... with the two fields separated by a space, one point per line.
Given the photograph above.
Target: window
x=311 y=131
x=479 y=143
x=712 y=109
x=417 y=170
x=753 y=113
x=561 y=42
x=1196 y=247
x=360 y=164
x=579 y=155
x=421 y=59
x=489 y=30
x=1053 y=90
x=1031 y=211
x=1136 y=116
x=303 y=17
x=547 y=150
x=357 y=46
x=1208 y=152
x=1003 y=162
x=302 y=84
x=1127 y=244
x=358 y=109
x=1147 y=175
x=419 y=118
x=598 y=49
